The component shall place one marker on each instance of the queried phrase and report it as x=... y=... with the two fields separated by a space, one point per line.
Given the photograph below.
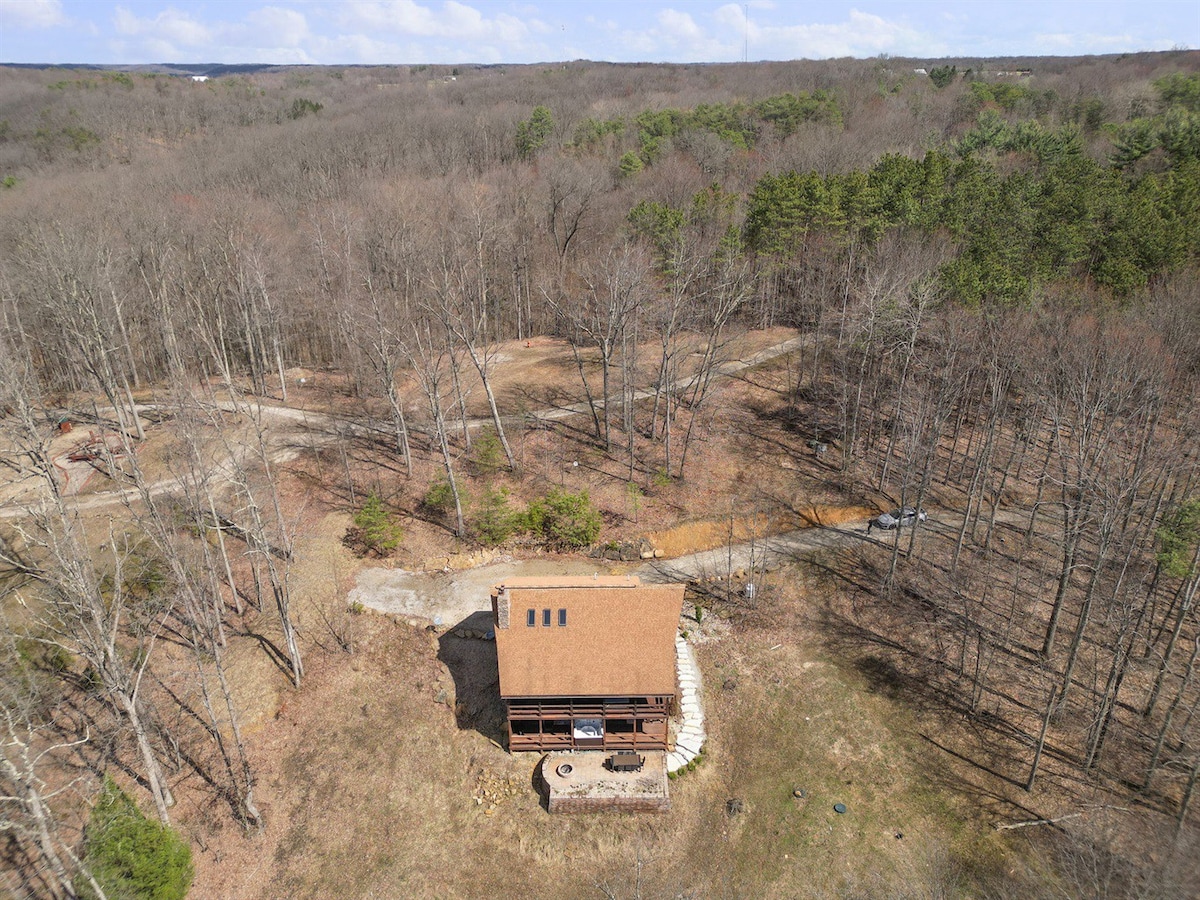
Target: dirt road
x=451 y=597
x=772 y=552
x=321 y=428
x=683 y=383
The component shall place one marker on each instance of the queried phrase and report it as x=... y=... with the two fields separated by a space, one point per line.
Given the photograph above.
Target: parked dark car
x=897 y=518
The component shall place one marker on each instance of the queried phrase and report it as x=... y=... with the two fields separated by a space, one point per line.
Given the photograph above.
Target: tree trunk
x=159 y=789
x=481 y=366
x=587 y=391
x=1189 y=596
x=1165 y=730
x=1041 y=742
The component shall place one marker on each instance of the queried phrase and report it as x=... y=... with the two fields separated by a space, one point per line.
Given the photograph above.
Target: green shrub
x=533 y=134
x=942 y=76
x=439 y=497
x=630 y=164
x=377 y=531
x=564 y=519
x=43 y=655
x=302 y=106
x=634 y=496
x=80 y=137
x=496 y=522
x=592 y=131
x=130 y=856
x=487 y=453
x=1177 y=536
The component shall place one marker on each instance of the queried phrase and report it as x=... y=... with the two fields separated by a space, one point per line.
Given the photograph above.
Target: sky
x=345 y=32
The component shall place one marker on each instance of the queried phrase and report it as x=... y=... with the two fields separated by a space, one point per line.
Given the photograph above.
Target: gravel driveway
x=451 y=597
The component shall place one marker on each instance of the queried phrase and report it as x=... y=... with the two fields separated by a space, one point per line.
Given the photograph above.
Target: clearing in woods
x=385 y=774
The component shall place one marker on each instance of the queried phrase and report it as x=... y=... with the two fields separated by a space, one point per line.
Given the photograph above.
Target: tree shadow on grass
x=277 y=656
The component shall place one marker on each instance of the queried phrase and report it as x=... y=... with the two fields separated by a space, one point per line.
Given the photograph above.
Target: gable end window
x=531 y=618
x=546 y=618
x=562 y=618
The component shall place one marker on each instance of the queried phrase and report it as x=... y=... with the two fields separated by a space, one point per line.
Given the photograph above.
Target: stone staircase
x=690 y=738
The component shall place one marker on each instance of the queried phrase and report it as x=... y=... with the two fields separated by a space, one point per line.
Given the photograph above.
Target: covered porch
x=588 y=723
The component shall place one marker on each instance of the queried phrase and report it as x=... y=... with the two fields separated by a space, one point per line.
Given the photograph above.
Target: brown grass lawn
x=372 y=789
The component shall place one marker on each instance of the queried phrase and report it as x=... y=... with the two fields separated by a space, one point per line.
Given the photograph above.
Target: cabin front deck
x=594 y=723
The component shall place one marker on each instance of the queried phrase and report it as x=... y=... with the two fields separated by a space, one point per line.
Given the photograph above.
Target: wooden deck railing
x=586 y=709
x=610 y=741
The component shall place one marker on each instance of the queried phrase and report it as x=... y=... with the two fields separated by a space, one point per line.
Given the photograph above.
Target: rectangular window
x=546 y=617
x=562 y=618
x=531 y=618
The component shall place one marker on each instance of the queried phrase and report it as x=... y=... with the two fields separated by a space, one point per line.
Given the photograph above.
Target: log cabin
x=586 y=663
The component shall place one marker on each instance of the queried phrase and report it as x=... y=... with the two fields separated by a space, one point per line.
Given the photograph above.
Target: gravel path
x=448 y=598
x=452 y=596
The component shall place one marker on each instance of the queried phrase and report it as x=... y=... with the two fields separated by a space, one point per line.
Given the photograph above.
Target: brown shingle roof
x=619 y=640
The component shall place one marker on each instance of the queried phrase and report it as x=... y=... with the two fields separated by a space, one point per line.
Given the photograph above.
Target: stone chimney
x=500 y=604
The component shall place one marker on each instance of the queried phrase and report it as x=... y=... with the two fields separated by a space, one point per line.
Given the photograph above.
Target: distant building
x=586 y=663
x=199 y=78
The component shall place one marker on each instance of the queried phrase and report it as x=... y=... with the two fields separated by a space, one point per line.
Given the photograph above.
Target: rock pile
x=626 y=551
x=493 y=790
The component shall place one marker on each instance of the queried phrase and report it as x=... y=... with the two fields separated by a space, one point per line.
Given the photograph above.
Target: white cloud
x=679 y=25
x=1065 y=44
x=285 y=26
x=149 y=48
x=360 y=48
x=861 y=34
x=32 y=13
x=268 y=34
x=403 y=16
x=169 y=27
x=452 y=20
x=371 y=31
x=401 y=31
x=451 y=31
x=682 y=37
x=1056 y=41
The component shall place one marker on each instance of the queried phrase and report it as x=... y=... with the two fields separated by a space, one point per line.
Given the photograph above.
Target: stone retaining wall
x=608 y=804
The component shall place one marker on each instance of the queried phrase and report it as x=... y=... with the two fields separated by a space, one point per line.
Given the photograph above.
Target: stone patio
x=579 y=781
